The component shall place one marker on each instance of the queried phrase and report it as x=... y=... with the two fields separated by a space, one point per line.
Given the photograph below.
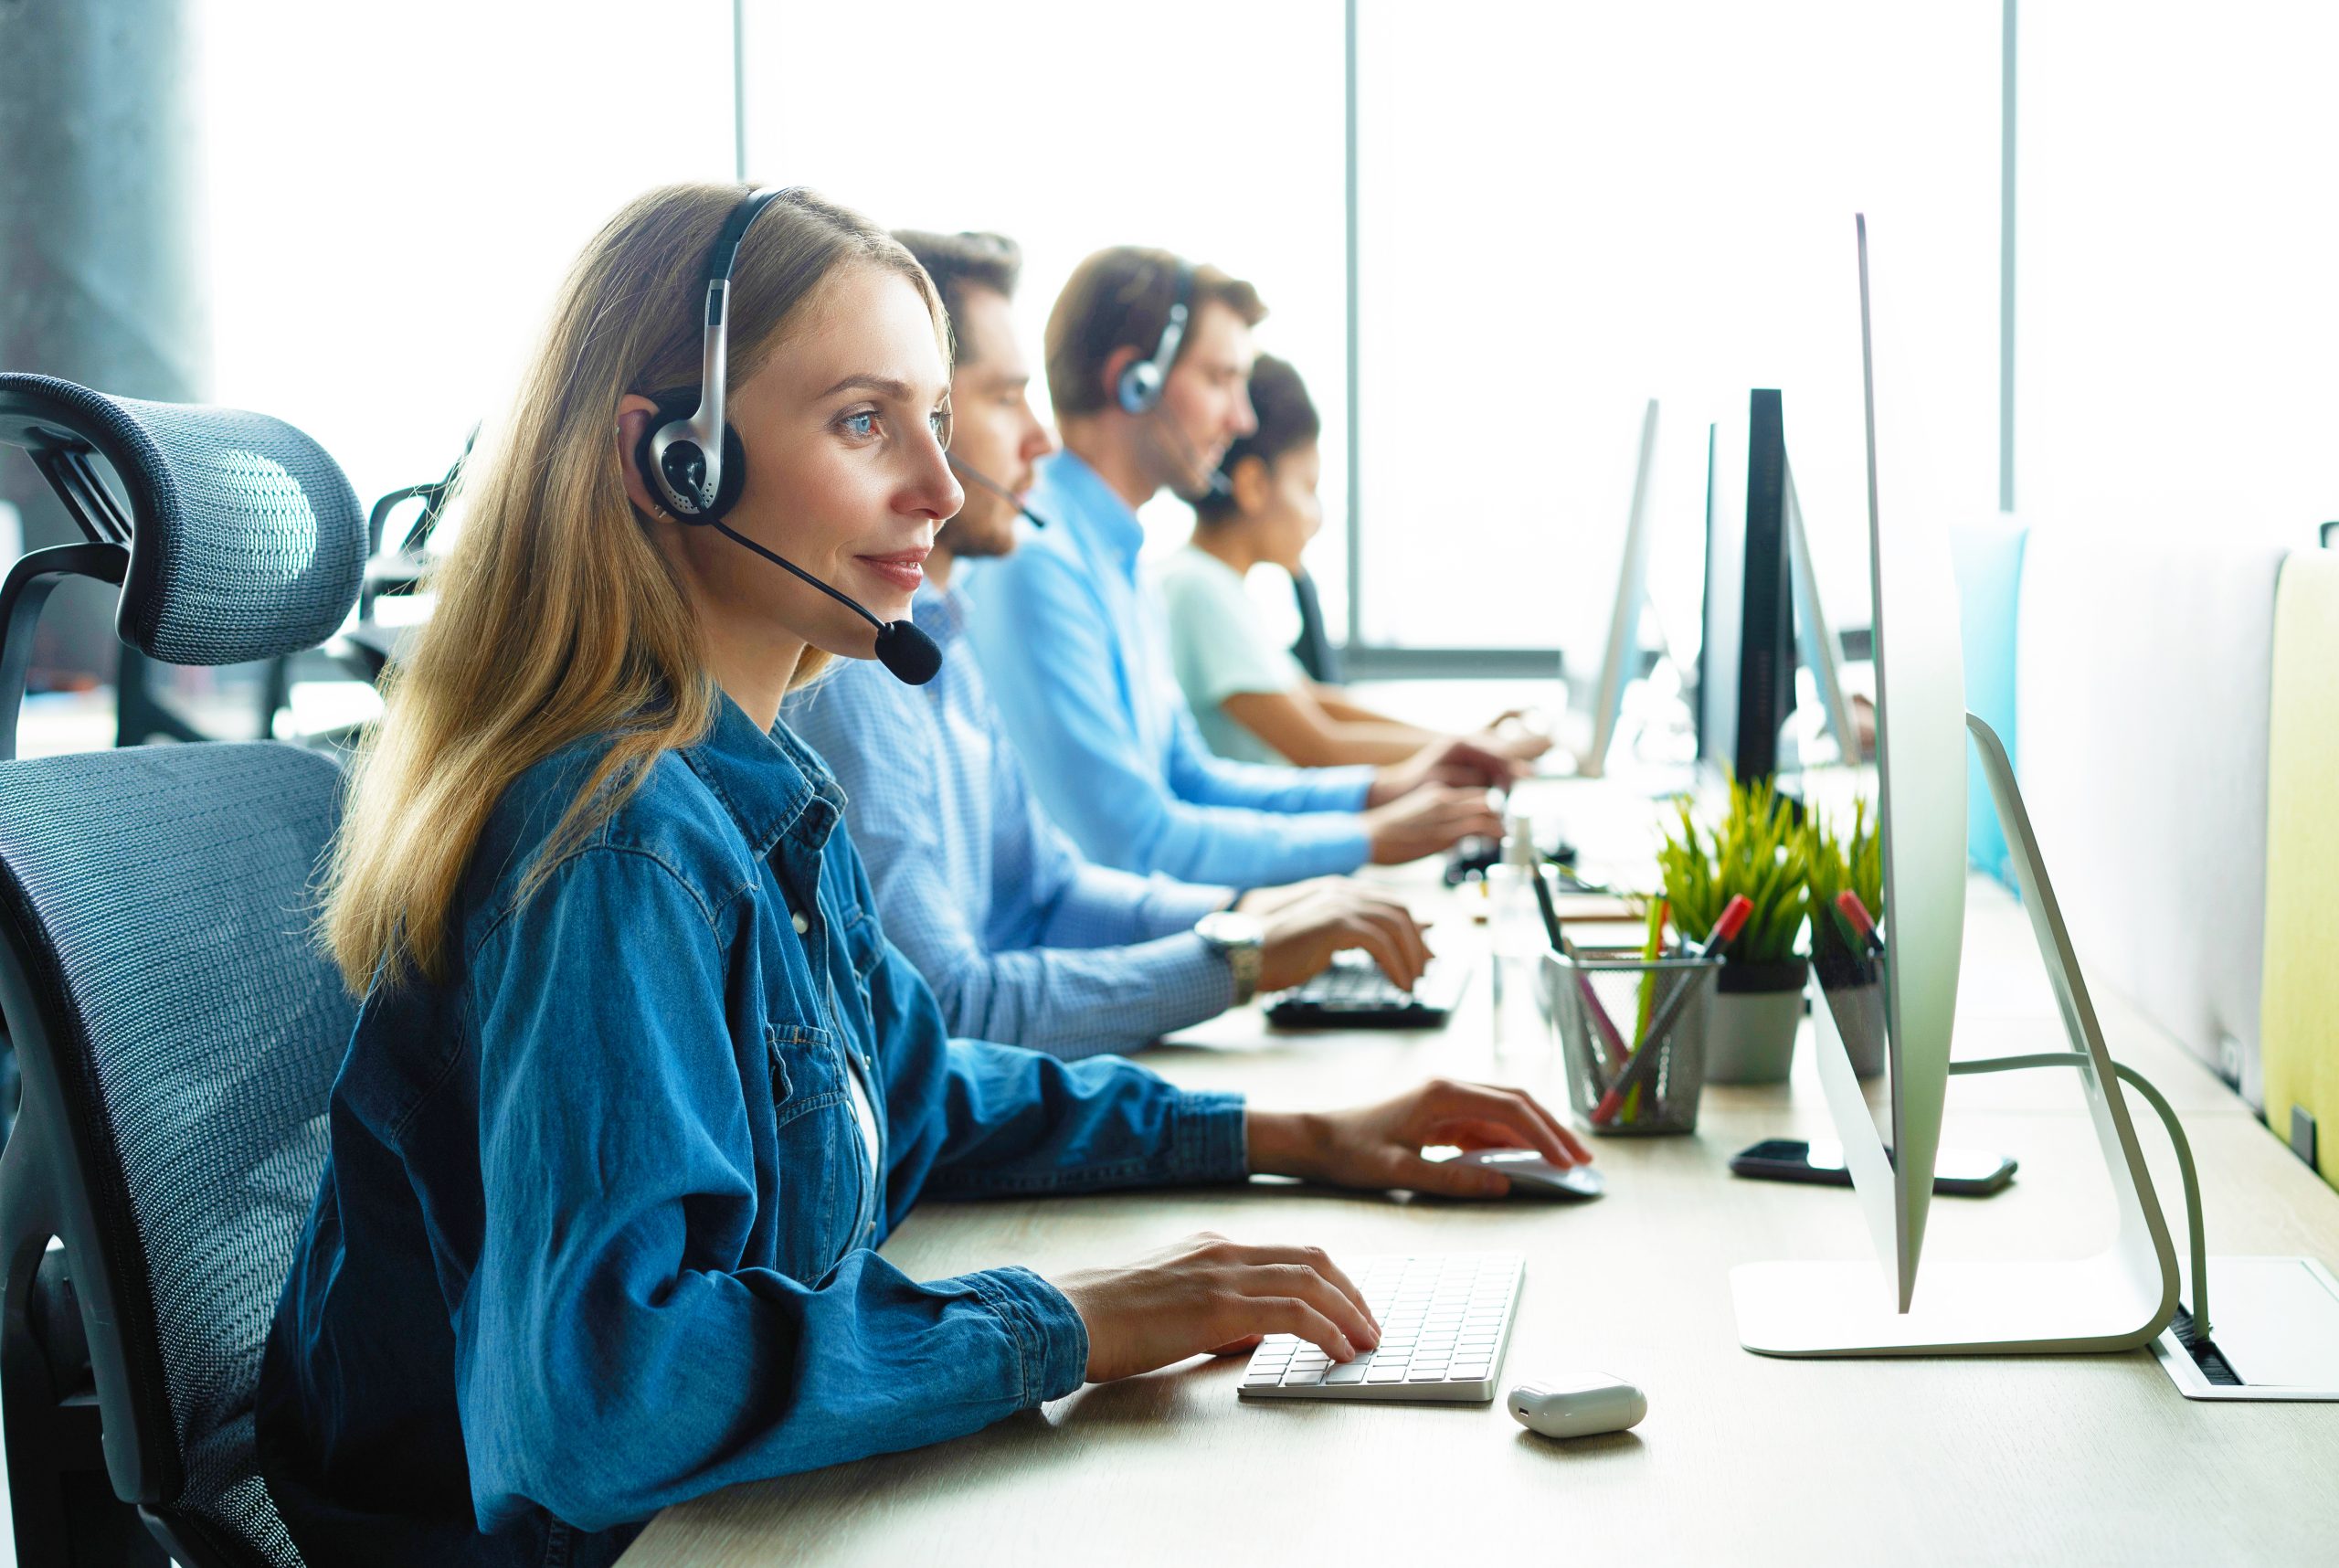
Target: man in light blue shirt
x=1147 y=360
x=1019 y=937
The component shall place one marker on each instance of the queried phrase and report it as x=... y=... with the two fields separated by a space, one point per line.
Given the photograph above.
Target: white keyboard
x=1445 y=1325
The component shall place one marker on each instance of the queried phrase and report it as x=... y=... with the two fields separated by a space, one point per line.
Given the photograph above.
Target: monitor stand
x=2274 y=1334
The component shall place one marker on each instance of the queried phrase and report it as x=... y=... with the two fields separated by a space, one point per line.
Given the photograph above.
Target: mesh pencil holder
x=1597 y=1002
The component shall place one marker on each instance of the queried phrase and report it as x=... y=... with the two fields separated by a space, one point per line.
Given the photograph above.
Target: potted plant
x=1758 y=850
x=1849 y=977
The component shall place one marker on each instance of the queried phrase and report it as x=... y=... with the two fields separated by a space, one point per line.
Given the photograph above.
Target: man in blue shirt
x=1147 y=360
x=1020 y=937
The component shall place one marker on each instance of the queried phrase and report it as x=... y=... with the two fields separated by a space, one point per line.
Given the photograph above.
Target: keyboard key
x=1470 y=1371
x=1434 y=1375
x=1392 y=1373
x=1304 y=1377
x=1353 y=1372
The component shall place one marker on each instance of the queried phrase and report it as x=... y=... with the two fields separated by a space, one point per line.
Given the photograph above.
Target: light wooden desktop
x=1741 y=1459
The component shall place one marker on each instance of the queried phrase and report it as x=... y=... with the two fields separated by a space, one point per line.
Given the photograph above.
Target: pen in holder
x=1597 y=1002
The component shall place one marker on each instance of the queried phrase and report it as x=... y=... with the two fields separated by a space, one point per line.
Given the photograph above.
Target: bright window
x=1567 y=210
x=1070 y=126
x=2177 y=318
x=394 y=195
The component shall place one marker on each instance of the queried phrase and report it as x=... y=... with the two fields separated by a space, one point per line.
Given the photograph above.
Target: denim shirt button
x=802 y=924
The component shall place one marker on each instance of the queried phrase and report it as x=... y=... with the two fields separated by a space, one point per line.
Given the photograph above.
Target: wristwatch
x=1241 y=941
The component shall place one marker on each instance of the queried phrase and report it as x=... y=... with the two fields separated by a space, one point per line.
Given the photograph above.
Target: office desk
x=1742 y=1459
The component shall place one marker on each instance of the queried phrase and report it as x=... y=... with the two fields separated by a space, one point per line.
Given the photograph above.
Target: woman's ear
x=636 y=415
x=1252 y=484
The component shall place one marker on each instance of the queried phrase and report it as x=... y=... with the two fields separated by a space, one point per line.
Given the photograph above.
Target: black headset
x=1138 y=390
x=1140 y=387
x=696 y=464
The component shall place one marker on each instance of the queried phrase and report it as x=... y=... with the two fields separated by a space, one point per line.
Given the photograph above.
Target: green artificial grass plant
x=1756 y=850
x=1835 y=864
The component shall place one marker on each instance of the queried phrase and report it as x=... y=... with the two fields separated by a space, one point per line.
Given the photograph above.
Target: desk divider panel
x=1988 y=560
x=2299 y=1017
x=2142 y=685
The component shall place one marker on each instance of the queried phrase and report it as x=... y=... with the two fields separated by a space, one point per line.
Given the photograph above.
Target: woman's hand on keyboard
x=1207 y=1294
x=1302 y=933
x=1379 y=1145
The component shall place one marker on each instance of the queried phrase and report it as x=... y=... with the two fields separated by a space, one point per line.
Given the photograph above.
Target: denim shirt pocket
x=821 y=1166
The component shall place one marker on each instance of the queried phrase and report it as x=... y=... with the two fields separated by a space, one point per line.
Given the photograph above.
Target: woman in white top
x=1251 y=699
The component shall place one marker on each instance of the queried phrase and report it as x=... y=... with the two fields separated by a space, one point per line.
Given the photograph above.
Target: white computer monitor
x=2117 y=1299
x=1621 y=652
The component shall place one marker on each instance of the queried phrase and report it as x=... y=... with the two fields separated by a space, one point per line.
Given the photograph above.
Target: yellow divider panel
x=2301 y=1020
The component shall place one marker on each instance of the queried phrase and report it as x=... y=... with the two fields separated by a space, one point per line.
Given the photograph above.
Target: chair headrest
x=247 y=541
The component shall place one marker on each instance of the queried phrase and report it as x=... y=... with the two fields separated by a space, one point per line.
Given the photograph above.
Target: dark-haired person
x=1148 y=363
x=1250 y=698
x=638 y=1084
x=1021 y=936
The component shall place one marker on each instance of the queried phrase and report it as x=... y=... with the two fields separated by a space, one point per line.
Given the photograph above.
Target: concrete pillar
x=100 y=264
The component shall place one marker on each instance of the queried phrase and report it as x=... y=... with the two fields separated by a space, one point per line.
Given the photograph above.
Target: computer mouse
x=1577 y=1405
x=1529 y=1172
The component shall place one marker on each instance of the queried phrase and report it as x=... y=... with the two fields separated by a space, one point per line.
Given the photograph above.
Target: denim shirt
x=595 y=1232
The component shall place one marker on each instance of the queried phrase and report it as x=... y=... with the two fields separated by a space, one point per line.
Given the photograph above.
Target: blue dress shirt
x=595 y=1228
x=1020 y=937
x=1074 y=653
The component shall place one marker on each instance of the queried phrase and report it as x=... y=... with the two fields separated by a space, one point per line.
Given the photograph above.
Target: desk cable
x=2200 y=1315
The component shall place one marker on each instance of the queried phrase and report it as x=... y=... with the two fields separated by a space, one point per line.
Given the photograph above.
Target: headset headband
x=686 y=456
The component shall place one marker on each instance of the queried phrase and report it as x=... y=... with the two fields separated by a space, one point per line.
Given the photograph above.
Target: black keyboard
x=1354 y=994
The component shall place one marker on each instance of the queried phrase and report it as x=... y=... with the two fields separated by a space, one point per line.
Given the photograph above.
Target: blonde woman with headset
x=638 y=1084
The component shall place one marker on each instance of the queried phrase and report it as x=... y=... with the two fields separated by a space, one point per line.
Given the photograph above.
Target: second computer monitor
x=1761 y=604
x=1746 y=668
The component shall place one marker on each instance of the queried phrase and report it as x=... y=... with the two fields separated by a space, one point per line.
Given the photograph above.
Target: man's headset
x=1138 y=390
x=696 y=465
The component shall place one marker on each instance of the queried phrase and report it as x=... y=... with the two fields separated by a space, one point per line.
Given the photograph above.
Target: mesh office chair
x=177 y=1025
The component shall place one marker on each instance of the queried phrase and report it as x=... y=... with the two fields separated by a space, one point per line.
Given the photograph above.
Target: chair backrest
x=181 y=1027
x=2301 y=1009
x=177 y=1024
x=2142 y=687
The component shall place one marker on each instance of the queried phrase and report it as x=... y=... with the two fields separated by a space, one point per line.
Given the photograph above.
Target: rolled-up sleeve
x=1058 y=698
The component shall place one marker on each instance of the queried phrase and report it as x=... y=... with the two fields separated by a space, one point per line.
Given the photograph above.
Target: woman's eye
x=861 y=425
x=940 y=423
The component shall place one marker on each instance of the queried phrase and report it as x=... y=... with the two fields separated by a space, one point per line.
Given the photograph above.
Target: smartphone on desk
x=1957 y=1173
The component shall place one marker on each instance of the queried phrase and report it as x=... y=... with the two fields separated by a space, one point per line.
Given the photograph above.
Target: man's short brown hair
x=958 y=262
x=1120 y=299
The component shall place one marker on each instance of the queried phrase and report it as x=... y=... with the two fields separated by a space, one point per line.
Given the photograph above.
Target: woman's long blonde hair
x=557 y=616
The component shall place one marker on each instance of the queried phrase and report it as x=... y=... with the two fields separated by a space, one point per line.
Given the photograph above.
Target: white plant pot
x=1750 y=1035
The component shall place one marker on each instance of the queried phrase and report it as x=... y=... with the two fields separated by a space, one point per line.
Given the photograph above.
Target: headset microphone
x=982 y=481
x=697 y=464
x=908 y=653
x=1216 y=485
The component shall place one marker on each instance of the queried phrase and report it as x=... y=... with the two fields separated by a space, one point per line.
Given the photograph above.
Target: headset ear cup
x=735 y=475
x=734 y=468
x=1139 y=387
